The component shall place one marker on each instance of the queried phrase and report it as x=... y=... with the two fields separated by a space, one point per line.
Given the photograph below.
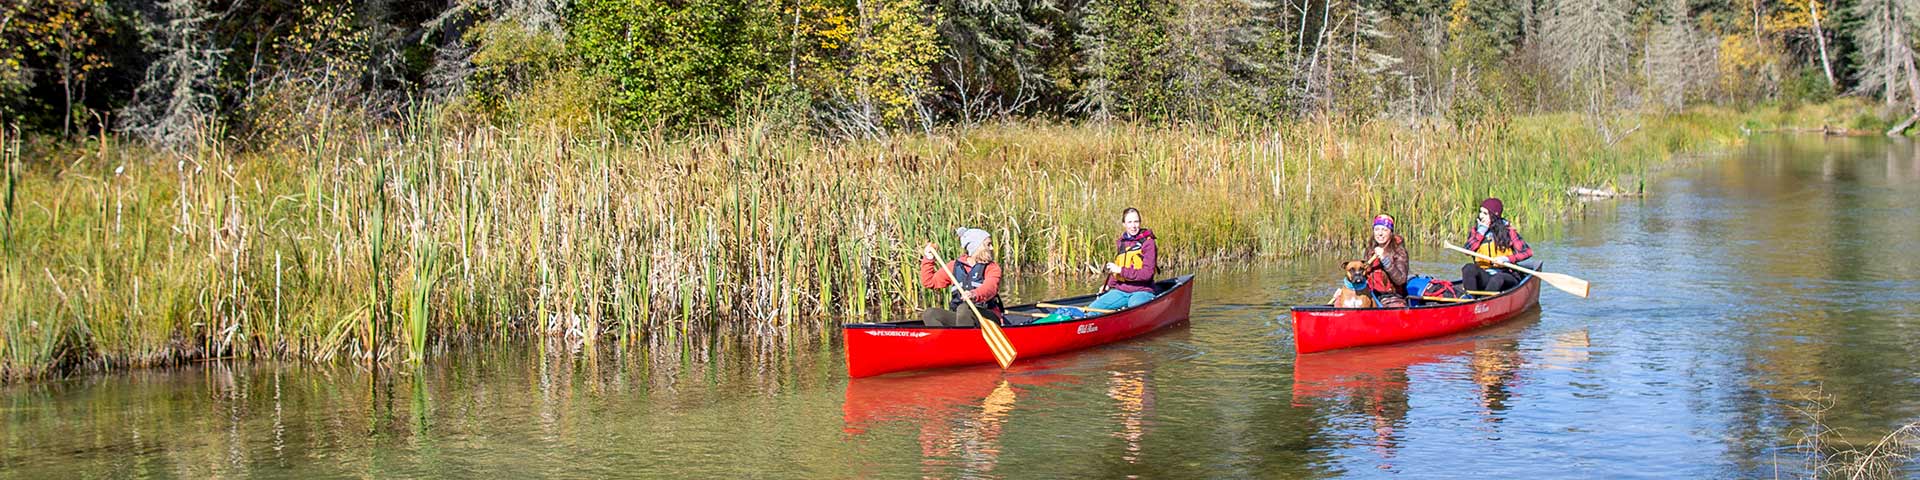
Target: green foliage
x=677 y=64
x=1869 y=122
x=877 y=61
x=509 y=58
x=323 y=62
x=896 y=51
x=57 y=48
x=1808 y=85
x=1126 y=41
x=1484 y=32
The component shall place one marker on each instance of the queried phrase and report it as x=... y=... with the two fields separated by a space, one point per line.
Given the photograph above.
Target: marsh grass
x=379 y=243
x=1827 y=453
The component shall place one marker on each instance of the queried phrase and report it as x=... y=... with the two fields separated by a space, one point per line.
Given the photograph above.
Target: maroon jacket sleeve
x=1149 y=254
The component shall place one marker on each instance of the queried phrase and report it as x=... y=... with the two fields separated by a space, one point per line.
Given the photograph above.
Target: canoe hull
x=881 y=348
x=1322 y=328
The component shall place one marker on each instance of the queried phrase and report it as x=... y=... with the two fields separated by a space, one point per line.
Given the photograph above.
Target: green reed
x=119 y=255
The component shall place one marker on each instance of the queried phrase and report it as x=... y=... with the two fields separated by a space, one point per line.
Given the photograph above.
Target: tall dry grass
x=363 y=242
x=1826 y=452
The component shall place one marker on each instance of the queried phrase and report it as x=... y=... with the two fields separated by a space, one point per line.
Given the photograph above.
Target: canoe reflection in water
x=1373 y=381
x=1129 y=388
x=961 y=413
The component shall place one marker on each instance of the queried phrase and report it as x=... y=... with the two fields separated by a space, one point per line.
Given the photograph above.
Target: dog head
x=1356 y=271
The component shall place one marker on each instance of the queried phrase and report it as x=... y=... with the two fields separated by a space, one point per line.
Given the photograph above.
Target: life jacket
x=971 y=278
x=1132 y=255
x=1491 y=249
x=1130 y=258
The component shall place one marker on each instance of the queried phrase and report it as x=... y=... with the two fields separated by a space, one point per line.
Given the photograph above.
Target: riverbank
x=374 y=243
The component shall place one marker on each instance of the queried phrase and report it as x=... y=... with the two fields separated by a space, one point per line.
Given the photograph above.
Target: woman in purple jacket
x=1130 y=285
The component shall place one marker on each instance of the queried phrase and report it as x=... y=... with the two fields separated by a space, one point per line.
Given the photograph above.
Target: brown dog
x=1346 y=296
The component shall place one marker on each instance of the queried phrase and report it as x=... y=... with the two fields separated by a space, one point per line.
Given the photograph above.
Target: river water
x=1753 y=300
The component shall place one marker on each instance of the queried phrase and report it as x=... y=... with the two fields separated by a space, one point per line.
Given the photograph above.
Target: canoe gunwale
x=1434 y=305
x=1169 y=285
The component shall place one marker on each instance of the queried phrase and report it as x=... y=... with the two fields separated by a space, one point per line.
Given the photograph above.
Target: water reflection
x=1374 y=383
x=959 y=413
x=1495 y=364
x=1133 y=394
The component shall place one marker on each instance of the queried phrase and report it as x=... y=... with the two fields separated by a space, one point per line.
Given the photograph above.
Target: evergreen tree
x=177 y=99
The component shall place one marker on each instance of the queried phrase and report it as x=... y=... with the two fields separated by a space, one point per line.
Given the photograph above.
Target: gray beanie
x=970 y=239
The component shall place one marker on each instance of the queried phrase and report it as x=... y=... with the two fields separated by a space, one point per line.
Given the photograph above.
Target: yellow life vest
x=1489 y=249
x=1130 y=259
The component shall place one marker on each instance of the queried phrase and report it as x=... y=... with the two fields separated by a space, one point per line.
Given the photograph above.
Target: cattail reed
x=358 y=240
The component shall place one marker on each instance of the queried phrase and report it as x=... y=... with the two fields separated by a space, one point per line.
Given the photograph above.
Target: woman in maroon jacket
x=1130 y=285
x=1493 y=237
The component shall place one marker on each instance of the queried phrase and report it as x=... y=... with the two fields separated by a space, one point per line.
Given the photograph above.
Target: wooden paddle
x=996 y=340
x=1564 y=282
x=1445 y=299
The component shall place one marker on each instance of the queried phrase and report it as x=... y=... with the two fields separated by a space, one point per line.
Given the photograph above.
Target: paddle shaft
x=1564 y=282
x=1491 y=259
x=996 y=340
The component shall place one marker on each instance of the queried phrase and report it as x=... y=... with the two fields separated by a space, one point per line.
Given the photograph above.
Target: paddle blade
x=997 y=342
x=1566 y=283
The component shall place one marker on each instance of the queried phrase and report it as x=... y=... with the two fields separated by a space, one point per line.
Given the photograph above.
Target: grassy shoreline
x=381 y=243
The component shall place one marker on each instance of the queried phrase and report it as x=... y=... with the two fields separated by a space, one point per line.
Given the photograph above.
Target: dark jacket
x=1134 y=280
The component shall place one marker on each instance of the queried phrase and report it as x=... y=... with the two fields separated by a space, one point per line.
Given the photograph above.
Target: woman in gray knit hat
x=979 y=280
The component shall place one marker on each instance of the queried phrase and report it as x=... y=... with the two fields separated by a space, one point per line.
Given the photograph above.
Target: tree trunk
x=66 y=89
x=1913 y=78
x=1887 y=75
x=1313 y=62
x=1820 y=37
x=1913 y=84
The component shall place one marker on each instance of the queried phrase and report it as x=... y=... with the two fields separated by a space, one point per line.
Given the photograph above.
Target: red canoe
x=880 y=348
x=1319 y=328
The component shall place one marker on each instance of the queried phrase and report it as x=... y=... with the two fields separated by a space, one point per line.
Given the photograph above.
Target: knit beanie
x=971 y=238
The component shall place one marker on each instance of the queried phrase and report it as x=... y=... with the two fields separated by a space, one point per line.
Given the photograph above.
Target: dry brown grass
x=364 y=242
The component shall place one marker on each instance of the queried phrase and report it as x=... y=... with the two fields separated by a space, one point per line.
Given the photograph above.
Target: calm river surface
x=1745 y=292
